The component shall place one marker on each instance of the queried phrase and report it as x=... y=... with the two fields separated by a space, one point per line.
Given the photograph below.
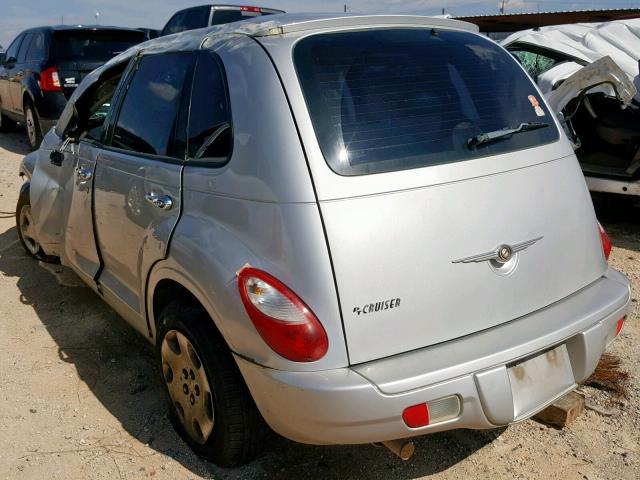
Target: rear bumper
x=364 y=403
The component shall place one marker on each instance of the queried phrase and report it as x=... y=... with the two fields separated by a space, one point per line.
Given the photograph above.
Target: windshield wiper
x=484 y=138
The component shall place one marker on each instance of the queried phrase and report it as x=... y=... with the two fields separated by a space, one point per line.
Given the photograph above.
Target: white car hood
x=588 y=42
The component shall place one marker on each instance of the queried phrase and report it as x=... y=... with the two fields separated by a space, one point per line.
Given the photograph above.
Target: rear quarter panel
x=259 y=209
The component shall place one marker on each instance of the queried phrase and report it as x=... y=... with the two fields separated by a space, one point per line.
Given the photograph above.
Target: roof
x=297 y=22
x=235 y=7
x=513 y=22
x=281 y=24
x=64 y=28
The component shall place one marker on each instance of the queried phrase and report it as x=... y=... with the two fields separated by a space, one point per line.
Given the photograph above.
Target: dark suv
x=206 y=15
x=43 y=66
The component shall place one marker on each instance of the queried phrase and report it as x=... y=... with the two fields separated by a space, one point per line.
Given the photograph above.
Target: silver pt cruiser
x=348 y=228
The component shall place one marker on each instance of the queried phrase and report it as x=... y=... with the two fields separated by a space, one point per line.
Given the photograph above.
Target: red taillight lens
x=283 y=321
x=50 y=81
x=606 y=242
x=251 y=9
x=620 y=324
x=416 y=416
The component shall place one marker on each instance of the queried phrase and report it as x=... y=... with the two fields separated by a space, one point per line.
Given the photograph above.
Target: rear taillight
x=251 y=9
x=282 y=319
x=50 y=81
x=606 y=242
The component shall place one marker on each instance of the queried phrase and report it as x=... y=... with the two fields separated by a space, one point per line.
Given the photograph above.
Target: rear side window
x=221 y=16
x=36 y=50
x=188 y=20
x=93 y=45
x=386 y=100
x=150 y=119
x=209 y=118
x=22 y=54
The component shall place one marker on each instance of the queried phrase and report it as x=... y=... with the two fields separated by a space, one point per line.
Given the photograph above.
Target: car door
x=17 y=74
x=6 y=75
x=93 y=107
x=137 y=184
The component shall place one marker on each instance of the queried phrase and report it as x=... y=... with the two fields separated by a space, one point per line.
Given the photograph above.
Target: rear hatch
x=79 y=51
x=399 y=114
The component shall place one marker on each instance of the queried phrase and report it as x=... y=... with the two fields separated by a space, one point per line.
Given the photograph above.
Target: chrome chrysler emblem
x=502 y=254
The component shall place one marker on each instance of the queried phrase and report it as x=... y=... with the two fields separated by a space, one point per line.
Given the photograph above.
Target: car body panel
x=365 y=403
x=588 y=42
x=132 y=234
x=380 y=255
x=80 y=247
x=606 y=138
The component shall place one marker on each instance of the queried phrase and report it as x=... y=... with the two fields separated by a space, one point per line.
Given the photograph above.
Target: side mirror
x=57 y=156
x=9 y=61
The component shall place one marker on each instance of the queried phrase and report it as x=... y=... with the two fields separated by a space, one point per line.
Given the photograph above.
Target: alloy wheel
x=188 y=385
x=31 y=127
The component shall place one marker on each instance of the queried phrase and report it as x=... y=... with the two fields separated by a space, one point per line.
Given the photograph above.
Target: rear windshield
x=386 y=100
x=93 y=45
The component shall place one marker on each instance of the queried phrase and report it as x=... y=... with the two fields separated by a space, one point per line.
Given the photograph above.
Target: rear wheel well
x=26 y=98
x=169 y=291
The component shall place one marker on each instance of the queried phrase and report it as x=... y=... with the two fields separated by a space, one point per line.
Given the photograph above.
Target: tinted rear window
x=93 y=45
x=385 y=100
x=221 y=16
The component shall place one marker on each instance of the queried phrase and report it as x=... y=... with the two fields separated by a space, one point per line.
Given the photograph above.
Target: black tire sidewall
x=224 y=379
x=28 y=105
x=23 y=200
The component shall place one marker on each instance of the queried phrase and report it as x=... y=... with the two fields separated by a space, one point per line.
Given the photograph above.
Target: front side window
x=151 y=119
x=96 y=103
x=12 y=51
x=209 y=136
x=537 y=62
x=386 y=100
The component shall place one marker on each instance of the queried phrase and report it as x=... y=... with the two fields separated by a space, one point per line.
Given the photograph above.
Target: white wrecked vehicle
x=589 y=74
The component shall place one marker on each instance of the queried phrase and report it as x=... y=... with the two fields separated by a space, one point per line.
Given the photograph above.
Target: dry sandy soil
x=79 y=396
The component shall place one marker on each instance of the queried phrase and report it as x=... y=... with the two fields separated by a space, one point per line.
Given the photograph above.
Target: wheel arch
x=28 y=97
x=166 y=284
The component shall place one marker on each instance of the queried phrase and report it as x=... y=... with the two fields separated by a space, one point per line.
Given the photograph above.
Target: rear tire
x=225 y=426
x=24 y=223
x=32 y=124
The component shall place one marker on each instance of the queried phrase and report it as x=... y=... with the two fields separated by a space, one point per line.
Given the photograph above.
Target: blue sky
x=16 y=15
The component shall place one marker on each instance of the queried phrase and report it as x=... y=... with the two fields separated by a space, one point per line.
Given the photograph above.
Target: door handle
x=163 y=202
x=84 y=173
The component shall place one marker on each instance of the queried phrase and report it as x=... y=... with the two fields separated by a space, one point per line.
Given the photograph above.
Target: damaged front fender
x=28 y=165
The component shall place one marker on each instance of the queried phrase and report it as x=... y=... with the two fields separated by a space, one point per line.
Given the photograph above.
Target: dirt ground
x=79 y=397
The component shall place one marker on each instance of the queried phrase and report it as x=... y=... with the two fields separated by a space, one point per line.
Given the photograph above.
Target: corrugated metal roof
x=513 y=22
